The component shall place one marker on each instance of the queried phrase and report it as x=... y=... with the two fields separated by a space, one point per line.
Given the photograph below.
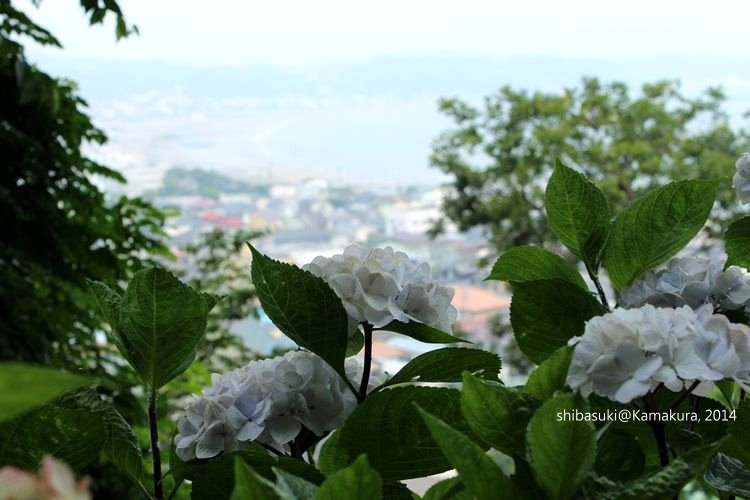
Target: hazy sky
x=284 y=32
x=352 y=86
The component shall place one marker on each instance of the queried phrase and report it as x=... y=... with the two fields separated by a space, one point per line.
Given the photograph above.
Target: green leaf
x=530 y=263
x=75 y=436
x=739 y=446
x=358 y=481
x=355 y=343
x=447 y=365
x=109 y=305
x=545 y=314
x=214 y=478
x=248 y=484
x=479 y=474
x=291 y=487
x=578 y=214
x=23 y=387
x=665 y=482
x=304 y=307
x=550 y=376
x=332 y=455
x=620 y=456
x=161 y=322
x=398 y=491
x=729 y=475
x=737 y=243
x=497 y=414
x=562 y=453
x=387 y=428
x=421 y=332
x=448 y=489
x=656 y=226
x=121 y=446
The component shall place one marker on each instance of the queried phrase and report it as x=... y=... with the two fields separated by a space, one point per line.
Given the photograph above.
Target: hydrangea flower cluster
x=742 y=178
x=692 y=281
x=626 y=353
x=379 y=285
x=268 y=401
x=55 y=480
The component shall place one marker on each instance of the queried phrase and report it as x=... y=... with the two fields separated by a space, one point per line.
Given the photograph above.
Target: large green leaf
x=422 y=332
x=530 y=263
x=620 y=457
x=214 y=478
x=550 y=376
x=304 y=307
x=76 y=428
x=23 y=387
x=729 y=475
x=74 y=436
x=478 y=472
x=121 y=446
x=448 y=489
x=248 y=484
x=108 y=301
x=332 y=455
x=545 y=314
x=578 y=214
x=497 y=414
x=656 y=226
x=387 y=428
x=447 y=365
x=665 y=482
x=291 y=487
x=398 y=491
x=737 y=243
x=358 y=481
x=157 y=323
x=562 y=452
x=739 y=446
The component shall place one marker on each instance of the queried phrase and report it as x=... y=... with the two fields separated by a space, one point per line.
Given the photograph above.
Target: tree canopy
x=500 y=155
x=58 y=227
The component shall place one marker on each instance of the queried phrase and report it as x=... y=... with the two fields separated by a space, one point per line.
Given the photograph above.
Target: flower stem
x=685 y=394
x=657 y=428
x=155 y=453
x=695 y=403
x=600 y=290
x=368 y=362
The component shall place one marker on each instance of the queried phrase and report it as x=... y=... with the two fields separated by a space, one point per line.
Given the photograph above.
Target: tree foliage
x=57 y=225
x=501 y=155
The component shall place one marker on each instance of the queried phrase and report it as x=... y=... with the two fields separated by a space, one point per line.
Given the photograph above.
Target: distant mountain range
x=370 y=121
x=398 y=77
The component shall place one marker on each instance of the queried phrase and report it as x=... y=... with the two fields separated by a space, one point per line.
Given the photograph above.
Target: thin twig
x=270 y=448
x=155 y=453
x=600 y=290
x=684 y=395
x=696 y=401
x=367 y=364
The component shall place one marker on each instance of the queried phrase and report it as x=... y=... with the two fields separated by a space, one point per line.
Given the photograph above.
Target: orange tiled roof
x=473 y=300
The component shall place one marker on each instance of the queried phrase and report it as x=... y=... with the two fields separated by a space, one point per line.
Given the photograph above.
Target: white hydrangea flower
x=379 y=285
x=626 y=353
x=692 y=281
x=742 y=178
x=731 y=289
x=55 y=480
x=268 y=401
